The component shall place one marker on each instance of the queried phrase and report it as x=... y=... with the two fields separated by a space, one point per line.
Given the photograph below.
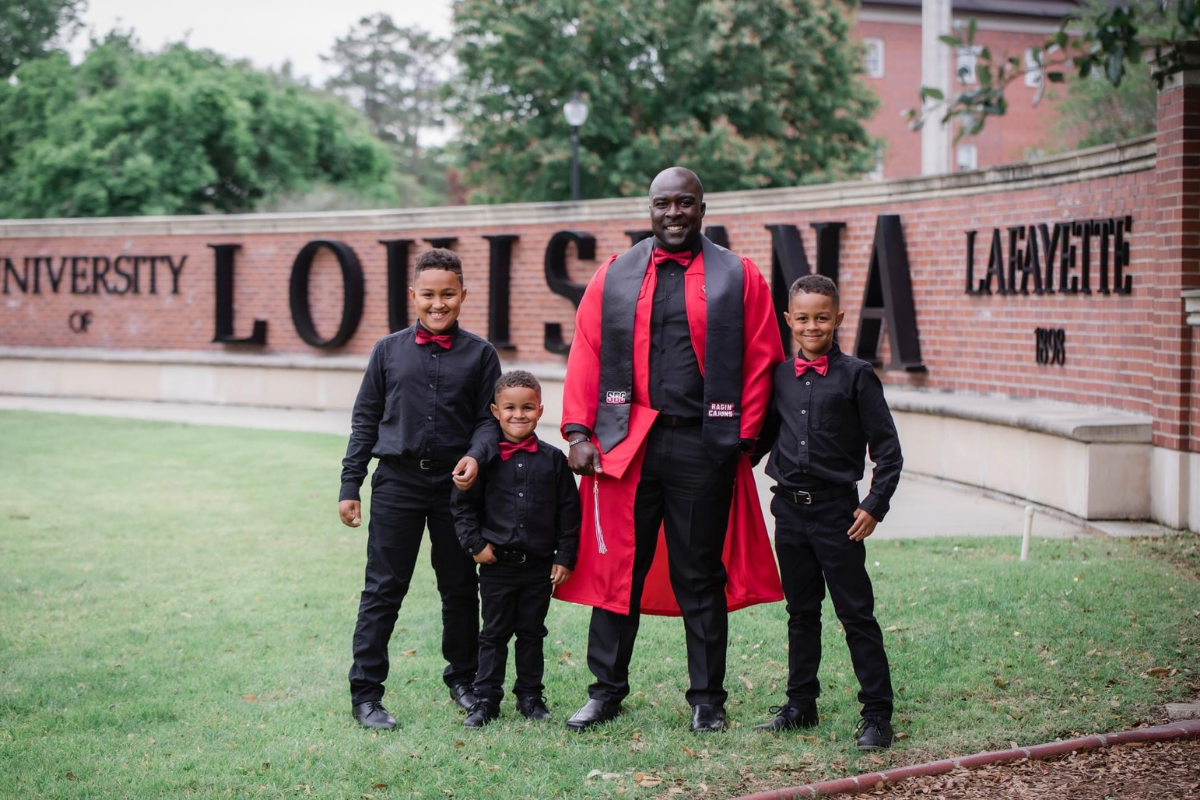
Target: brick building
x=890 y=30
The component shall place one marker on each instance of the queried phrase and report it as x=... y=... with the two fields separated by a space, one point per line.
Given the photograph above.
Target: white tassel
x=596 y=504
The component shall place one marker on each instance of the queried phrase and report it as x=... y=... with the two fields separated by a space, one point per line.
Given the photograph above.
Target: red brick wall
x=969 y=343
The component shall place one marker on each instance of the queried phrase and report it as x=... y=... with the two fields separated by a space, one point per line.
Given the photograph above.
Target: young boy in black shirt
x=424 y=411
x=520 y=522
x=827 y=410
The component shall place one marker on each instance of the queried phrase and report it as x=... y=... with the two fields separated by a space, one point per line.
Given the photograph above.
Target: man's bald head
x=676 y=209
x=674 y=176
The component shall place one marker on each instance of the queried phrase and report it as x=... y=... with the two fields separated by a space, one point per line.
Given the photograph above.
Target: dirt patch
x=1129 y=772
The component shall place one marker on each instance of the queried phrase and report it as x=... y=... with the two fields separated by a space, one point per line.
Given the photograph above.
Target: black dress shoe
x=593 y=712
x=708 y=717
x=463 y=694
x=372 y=714
x=789 y=717
x=875 y=733
x=533 y=707
x=481 y=713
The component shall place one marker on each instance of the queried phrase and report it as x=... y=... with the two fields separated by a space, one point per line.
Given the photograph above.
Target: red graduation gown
x=604 y=579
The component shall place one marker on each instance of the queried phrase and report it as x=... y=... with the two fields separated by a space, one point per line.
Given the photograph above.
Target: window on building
x=967 y=157
x=873 y=57
x=1033 y=71
x=967 y=56
x=876 y=172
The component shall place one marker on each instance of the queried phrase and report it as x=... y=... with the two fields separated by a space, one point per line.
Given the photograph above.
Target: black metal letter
x=788 y=263
x=224 y=299
x=500 y=289
x=889 y=300
x=560 y=282
x=352 y=293
x=397 y=272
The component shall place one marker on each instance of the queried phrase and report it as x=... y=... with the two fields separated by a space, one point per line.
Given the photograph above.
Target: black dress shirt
x=820 y=426
x=423 y=401
x=529 y=502
x=676 y=385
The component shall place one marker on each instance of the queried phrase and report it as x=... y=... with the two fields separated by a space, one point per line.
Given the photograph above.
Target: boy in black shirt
x=827 y=409
x=520 y=522
x=424 y=403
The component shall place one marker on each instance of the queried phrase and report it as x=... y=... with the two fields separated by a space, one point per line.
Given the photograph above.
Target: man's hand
x=486 y=555
x=351 y=513
x=465 y=473
x=584 y=459
x=558 y=573
x=864 y=525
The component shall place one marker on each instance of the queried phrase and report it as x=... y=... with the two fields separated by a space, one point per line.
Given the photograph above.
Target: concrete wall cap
x=1081 y=423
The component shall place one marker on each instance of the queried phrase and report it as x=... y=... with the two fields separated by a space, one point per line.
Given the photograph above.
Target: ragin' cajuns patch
x=722 y=410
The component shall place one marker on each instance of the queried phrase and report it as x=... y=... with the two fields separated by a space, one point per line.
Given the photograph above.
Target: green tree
x=394 y=75
x=748 y=93
x=29 y=29
x=179 y=132
x=1095 y=112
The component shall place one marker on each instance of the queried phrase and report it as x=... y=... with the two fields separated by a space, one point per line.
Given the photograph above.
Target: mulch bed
x=1133 y=771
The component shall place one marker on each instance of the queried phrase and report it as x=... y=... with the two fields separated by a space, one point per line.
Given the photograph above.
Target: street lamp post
x=576 y=112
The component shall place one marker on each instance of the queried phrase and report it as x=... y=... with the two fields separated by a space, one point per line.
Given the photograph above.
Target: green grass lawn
x=176 y=606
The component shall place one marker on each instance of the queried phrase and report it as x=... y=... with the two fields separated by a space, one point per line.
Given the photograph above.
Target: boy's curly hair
x=815 y=284
x=518 y=378
x=439 y=258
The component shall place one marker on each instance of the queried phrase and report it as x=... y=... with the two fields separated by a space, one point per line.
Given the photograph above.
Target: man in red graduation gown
x=668 y=383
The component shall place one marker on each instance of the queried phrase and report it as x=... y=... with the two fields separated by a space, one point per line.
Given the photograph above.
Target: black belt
x=510 y=555
x=672 y=421
x=815 y=496
x=424 y=463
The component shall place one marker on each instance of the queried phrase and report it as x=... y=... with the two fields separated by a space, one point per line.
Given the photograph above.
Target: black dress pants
x=685 y=491
x=515 y=599
x=404 y=499
x=813 y=551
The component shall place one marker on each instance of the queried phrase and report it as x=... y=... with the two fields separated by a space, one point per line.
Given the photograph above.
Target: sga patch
x=616 y=398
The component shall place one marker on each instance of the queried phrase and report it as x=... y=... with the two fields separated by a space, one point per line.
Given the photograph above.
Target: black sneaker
x=533 y=707
x=372 y=714
x=481 y=713
x=790 y=717
x=875 y=733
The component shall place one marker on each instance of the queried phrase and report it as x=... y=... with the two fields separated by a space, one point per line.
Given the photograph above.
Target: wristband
x=574 y=442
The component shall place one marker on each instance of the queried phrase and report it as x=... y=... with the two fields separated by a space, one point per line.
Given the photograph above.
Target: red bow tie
x=684 y=257
x=821 y=365
x=509 y=449
x=444 y=340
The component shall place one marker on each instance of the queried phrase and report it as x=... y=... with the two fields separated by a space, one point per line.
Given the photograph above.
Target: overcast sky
x=268 y=32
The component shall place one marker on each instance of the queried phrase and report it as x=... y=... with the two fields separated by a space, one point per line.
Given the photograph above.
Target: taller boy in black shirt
x=424 y=403
x=520 y=522
x=827 y=409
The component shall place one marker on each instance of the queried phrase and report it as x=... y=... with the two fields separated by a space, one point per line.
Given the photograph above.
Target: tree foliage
x=179 y=132
x=395 y=76
x=748 y=93
x=29 y=29
x=1107 y=40
x=1095 y=112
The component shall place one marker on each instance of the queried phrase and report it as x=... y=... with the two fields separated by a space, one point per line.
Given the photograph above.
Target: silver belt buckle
x=425 y=463
x=520 y=560
x=807 y=498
